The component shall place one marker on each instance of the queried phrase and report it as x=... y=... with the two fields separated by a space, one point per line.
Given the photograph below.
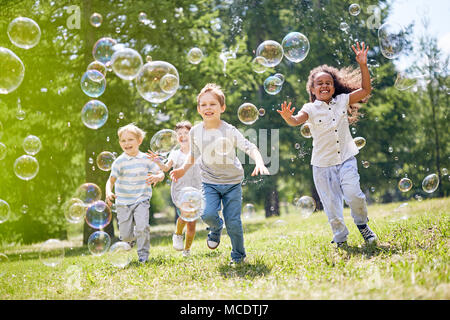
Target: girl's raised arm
x=366 y=88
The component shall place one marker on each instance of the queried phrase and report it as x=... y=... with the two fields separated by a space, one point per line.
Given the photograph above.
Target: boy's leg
x=328 y=187
x=141 y=216
x=232 y=207
x=211 y=213
x=125 y=223
x=353 y=195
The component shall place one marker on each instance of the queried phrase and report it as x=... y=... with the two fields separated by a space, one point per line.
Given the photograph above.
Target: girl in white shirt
x=334 y=95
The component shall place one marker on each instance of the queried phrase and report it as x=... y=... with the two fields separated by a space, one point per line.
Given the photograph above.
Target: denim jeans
x=230 y=196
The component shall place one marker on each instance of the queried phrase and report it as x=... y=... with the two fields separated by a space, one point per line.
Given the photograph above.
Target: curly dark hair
x=345 y=80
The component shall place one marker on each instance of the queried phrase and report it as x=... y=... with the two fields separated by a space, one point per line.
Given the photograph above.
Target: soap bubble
x=295 y=46
x=405 y=184
x=248 y=113
x=75 y=210
x=430 y=183
x=273 y=85
x=104 y=49
x=88 y=193
x=305 y=130
x=96 y=19
x=444 y=171
x=403 y=82
x=5 y=211
x=94 y=114
x=391 y=37
x=105 y=160
x=98 y=243
x=148 y=81
x=51 y=252
x=272 y=51
x=280 y=76
x=12 y=73
x=262 y=112
x=249 y=211
x=142 y=17
x=191 y=203
x=93 y=83
x=354 y=9
x=169 y=83
x=223 y=146
x=259 y=64
x=24 y=32
x=98 y=215
x=360 y=142
x=365 y=163
x=195 y=55
x=3 y=151
x=119 y=254
x=31 y=145
x=26 y=167
x=126 y=63
x=98 y=66
x=163 y=142
x=344 y=26
x=307 y=205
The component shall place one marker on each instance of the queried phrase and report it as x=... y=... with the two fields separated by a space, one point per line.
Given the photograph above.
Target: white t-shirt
x=191 y=178
x=332 y=140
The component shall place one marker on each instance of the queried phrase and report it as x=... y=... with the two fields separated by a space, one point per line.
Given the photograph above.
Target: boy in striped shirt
x=132 y=193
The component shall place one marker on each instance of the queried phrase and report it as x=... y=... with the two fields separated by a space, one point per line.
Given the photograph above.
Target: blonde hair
x=139 y=133
x=215 y=90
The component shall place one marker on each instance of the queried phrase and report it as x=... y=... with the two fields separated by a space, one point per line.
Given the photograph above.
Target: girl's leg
x=190 y=234
x=232 y=207
x=180 y=226
x=328 y=187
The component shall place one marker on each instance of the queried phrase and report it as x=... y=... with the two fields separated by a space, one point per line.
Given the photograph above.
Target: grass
x=289 y=257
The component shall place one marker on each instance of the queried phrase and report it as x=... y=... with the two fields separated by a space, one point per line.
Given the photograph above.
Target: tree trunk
x=272 y=204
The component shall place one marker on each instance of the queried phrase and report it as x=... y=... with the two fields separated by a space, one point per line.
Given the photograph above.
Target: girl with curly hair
x=334 y=96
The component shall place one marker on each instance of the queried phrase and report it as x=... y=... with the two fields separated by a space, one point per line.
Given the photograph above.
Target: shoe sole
x=212 y=248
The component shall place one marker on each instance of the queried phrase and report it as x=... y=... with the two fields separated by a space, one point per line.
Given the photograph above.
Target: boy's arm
x=109 y=195
x=287 y=114
x=178 y=173
x=366 y=87
x=260 y=168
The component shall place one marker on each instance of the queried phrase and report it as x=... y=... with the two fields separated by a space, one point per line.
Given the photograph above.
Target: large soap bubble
x=272 y=51
x=360 y=142
x=307 y=205
x=126 y=63
x=259 y=64
x=88 y=193
x=94 y=114
x=391 y=37
x=12 y=71
x=24 y=32
x=51 y=252
x=195 y=55
x=98 y=215
x=26 y=167
x=190 y=202
x=430 y=183
x=295 y=46
x=98 y=243
x=148 y=81
x=105 y=160
x=163 y=142
x=273 y=85
x=75 y=210
x=93 y=83
x=248 y=113
x=119 y=254
x=32 y=145
x=104 y=49
x=248 y=211
x=5 y=211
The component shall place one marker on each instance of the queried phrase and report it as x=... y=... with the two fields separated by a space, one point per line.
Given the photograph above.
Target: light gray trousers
x=334 y=185
x=133 y=223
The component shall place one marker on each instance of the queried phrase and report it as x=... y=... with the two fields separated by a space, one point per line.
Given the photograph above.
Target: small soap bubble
x=249 y=211
x=104 y=49
x=305 y=130
x=94 y=114
x=272 y=51
x=354 y=9
x=261 y=112
x=430 y=183
x=75 y=210
x=96 y=19
x=93 y=83
x=13 y=71
x=99 y=243
x=195 y=55
x=32 y=145
x=142 y=17
x=344 y=26
x=405 y=184
x=390 y=149
x=365 y=164
x=88 y=193
x=51 y=252
x=98 y=66
x=297 y=146
x=248 y=113
x=169 y=83
x=273 y=85
x=360 y=142
x=307 y=205
x=26 y=167
x=259 y=64
x=24 y=209
x=295 y=46
x=105 y=160
x=24 y=32
x=5 y=211
x=444 y=171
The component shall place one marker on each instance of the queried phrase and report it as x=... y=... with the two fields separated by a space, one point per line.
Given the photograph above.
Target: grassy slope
x=288 y=258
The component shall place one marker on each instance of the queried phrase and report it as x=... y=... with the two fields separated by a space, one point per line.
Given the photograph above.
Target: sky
x=405 y=12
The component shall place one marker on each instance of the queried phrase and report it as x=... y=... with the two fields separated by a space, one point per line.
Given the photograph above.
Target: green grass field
x=289 y=257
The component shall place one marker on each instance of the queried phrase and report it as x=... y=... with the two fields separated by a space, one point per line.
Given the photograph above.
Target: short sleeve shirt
x=332 y=140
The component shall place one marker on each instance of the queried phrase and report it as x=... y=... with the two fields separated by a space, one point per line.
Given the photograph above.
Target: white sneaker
x=178 y=242
x=186 y=253
x=212 y=244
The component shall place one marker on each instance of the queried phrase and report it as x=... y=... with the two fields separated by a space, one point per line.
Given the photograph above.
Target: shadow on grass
x=370 y=250
x=245 y=270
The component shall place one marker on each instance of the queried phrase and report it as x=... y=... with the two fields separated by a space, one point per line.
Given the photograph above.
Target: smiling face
x=323 y=87
x=130 y=143
x=209 y=107
x=182 y=135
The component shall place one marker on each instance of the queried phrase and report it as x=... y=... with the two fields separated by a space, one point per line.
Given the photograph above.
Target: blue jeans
x=230 y=195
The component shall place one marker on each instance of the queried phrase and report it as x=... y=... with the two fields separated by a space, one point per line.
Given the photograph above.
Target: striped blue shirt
x=130 y=173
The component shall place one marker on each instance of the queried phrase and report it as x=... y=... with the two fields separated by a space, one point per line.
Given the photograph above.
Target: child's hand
x=361 y=53
x=109 y=197
x=153 y=156
x=176 y=174
x=260 y=169
x=153 y=179
x=286 y=111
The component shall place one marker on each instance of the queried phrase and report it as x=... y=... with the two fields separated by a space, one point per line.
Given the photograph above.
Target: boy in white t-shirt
x=192 y=178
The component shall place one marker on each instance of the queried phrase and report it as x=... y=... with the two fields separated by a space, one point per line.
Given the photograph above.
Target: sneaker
x=178 y=242
x=186 y=253
x=132 y=243
x=142 y=260
x=235 y=263
x=369 y=236
x=212 y=244
x=340 y=244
